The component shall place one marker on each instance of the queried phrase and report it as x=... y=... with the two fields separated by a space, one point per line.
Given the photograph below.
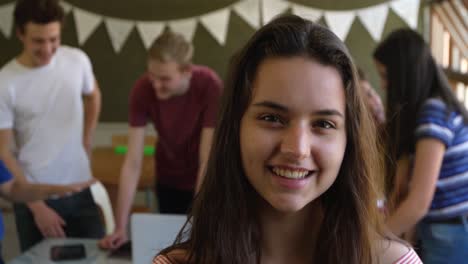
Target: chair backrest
x=101 y=198
x=152 y=232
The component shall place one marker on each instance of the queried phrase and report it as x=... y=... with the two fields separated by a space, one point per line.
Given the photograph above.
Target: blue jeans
x=443 y=242
x=1 y=255
x=81 y=215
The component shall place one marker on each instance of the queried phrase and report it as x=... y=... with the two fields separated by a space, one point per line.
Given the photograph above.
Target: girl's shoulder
x=434 y=107
x=161 y=259
x=176 y=256
x=396 y=252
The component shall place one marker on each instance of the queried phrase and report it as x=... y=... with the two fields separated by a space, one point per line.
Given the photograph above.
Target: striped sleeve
x=161 y=259
x=409 y=258
x=5 y=175
x=434 y=121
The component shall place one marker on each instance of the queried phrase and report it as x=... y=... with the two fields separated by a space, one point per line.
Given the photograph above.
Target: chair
x=101 y=198
x=150 y=233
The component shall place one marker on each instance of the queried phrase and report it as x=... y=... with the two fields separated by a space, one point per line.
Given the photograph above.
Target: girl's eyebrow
x=282 y=108
x=329 y=112
x=273 y=105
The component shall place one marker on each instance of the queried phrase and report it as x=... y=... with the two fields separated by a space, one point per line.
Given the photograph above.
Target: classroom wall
x=116 y=72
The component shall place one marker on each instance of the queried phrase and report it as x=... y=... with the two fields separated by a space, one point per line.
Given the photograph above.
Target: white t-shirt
x=44 y=108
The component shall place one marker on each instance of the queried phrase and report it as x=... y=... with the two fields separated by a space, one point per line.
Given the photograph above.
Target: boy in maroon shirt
x=181 y=101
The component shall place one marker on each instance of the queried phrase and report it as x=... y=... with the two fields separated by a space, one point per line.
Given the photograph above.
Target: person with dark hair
x=181 y=100
x=427 y=131
x=49 y=107
x=291 y=174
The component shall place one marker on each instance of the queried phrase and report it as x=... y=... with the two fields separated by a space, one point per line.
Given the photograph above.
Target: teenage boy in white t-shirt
x=49 y=106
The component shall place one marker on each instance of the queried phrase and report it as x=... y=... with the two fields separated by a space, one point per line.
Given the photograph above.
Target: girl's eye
x=324 y=124
x=271 y=118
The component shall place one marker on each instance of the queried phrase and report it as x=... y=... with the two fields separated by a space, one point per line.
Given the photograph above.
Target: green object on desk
x=148 y=150
x=121 y=149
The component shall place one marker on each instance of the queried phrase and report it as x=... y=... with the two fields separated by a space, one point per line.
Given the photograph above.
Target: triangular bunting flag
x=373 y=19
x=340 y=22
x=66 y=6
x=149 y=31
x=6 y=19
x=118 y=30
x=86 y=22
x=408 y=10
x=272 y=8
x=186 y=27
x=307 y=12
x=249 y=10
x=217 y=23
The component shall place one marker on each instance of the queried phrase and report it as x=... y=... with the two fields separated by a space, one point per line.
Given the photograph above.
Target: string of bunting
x=253 y=12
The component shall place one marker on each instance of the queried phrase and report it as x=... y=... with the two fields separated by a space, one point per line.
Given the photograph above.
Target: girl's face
x=293 y=133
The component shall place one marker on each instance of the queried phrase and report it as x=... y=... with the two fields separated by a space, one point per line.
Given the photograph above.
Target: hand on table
x=114 y=240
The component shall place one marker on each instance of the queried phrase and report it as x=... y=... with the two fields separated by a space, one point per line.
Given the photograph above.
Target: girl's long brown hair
x=222 y=226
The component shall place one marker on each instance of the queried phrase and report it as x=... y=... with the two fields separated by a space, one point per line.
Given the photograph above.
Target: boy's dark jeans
x=81 y=215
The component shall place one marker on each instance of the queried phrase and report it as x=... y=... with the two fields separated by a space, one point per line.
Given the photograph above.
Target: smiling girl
x=291 y=172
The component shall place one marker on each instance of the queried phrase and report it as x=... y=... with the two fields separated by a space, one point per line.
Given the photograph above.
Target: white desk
x=40 y=253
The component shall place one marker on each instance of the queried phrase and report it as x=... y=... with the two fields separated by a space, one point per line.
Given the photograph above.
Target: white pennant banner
x=217 y=23
x=6 y=19
x=66 y=7
x=86 y=23
x=272 y=8
x=408 y=10
x=307 y=12
x=373 y=19
x=149 y=31
x=249 y=10
x=340 y=22
x=186 y=27
x=118 y=30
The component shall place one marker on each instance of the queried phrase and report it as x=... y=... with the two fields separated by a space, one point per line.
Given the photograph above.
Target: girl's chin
x=289 y=205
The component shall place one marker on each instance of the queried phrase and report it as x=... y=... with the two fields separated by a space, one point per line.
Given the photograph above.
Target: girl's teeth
x=290 y=174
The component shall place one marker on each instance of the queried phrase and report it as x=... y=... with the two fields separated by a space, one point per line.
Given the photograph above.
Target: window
x=449 y=42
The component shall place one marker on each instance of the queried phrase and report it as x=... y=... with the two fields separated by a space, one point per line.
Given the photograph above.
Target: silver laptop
x=151 y=233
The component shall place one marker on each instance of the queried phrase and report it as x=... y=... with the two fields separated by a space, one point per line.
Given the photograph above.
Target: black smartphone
x=124 y=251
x=67 y=252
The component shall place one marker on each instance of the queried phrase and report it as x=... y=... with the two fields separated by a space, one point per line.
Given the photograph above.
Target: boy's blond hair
x=171 y=46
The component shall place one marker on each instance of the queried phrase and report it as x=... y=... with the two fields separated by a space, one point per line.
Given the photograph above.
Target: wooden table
x=106 y=165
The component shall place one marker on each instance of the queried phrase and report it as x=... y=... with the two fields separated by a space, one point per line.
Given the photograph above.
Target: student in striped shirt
x=291 y=173
x=428 y=137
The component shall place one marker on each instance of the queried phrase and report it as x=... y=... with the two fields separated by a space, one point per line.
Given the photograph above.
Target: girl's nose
x=296 y=142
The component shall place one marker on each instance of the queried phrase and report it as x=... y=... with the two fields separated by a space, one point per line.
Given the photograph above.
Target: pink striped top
x=160 y=259
x=409 y=258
